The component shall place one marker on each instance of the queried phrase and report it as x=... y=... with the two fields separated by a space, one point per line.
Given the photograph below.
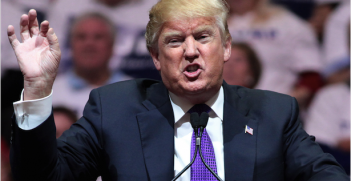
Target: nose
x=191 y=51
x=90 y=40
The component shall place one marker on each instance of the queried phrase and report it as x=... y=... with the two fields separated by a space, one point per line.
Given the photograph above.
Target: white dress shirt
x=30 y=114
x=183 y=133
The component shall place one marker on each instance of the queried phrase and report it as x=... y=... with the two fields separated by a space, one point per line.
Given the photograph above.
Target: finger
x=44 y=27
x=12 y=36
x=24 y=27
x=53 y=41
x=33 y=22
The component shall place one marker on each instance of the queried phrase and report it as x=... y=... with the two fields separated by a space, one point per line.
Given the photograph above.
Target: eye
x=80 y=37
x=173 y=41
x=203 y=37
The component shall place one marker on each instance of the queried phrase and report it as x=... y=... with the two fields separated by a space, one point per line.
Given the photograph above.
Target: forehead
x=90 y=24
x=188 y=26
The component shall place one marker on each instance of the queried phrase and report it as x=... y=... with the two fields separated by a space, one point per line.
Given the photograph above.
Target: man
x=129 y=18
x=139 y=130
x=92 y=39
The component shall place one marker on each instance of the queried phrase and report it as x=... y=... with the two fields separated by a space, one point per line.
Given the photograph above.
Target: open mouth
x=192 y=71
x=192 y=68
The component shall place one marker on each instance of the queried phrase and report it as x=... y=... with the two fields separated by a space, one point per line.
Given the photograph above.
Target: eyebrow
x=204 y=28
x=196 y=31
x=172 y=34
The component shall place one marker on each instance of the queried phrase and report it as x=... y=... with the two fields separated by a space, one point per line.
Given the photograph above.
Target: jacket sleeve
x=76 y=155
x=304 y=159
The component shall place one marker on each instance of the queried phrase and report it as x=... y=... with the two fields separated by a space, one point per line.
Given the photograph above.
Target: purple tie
x=199 y=172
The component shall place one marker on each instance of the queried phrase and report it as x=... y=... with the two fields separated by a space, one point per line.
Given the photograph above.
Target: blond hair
x=171 y=10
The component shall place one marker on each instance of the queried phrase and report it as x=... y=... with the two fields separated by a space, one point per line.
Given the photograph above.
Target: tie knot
x=199 y=108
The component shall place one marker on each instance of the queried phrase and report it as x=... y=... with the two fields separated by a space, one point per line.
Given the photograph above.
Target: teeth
x=192 y=68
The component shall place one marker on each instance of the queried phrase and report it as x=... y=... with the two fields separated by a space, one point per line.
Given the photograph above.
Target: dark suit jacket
x=127 y=133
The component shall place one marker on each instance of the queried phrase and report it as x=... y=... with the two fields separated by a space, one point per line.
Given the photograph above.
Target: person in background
x=285 y=43
x=338 y=70
x=5 y=161
x=64 y=118
x=129 y=18
x=328 y=119
x=321 y=12
x=92 y=39
x=336 y=35
x=243 y=67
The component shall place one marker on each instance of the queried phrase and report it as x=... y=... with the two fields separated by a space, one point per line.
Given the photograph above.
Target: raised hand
x=38 y=55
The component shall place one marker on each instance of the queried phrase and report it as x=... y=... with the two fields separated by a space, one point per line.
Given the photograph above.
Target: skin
x=241 y=7
x=344 y=144
x=194 y=42
x=38 y=55
x=319 y=17
x=237 y=69
x=92 y=48
x=181 y=43
x=62 y=123
x=112 y=3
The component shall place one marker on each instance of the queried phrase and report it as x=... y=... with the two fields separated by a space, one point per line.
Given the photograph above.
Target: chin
x=195 y=87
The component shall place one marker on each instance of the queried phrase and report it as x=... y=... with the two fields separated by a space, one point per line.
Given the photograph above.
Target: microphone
x=203 y=123
x=195 y=123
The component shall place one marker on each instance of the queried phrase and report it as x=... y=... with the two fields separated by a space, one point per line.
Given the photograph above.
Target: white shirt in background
x=336 y=34
x=328 y=118
x=285 y=44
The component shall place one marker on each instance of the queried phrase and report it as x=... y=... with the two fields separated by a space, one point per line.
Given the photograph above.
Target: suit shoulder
x=127 y=89
x=263 y=99
x=267 y=105
x=266 y=95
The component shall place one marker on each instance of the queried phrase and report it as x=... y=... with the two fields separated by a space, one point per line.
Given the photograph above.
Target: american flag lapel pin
x=248 y=130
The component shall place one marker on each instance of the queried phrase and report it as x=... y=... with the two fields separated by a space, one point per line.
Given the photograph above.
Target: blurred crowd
x=300 y=48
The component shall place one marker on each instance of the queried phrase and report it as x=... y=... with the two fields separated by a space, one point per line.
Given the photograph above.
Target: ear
x=154 y=55
x=227 y=49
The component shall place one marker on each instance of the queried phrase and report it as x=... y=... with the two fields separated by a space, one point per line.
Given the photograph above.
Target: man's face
x=237 y=69
x=190 y=56
x=91 y=44
x=62 y=123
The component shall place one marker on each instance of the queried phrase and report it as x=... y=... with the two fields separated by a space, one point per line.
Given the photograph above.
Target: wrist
x=36 y=89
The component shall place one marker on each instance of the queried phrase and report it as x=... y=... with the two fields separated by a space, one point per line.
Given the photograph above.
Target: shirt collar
x=181 y=107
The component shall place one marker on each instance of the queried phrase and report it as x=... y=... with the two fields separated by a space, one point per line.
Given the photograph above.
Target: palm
x=35 y=57
x=38 y=55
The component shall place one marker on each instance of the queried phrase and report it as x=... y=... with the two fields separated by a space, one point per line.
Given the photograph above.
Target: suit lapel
x=239 y=147
x=157 y=133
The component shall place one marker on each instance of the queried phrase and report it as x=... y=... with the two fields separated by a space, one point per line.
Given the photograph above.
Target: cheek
x=243 y=66
x=77 y=46
x=214 y=62
x=171 y=62
x=103 y=45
